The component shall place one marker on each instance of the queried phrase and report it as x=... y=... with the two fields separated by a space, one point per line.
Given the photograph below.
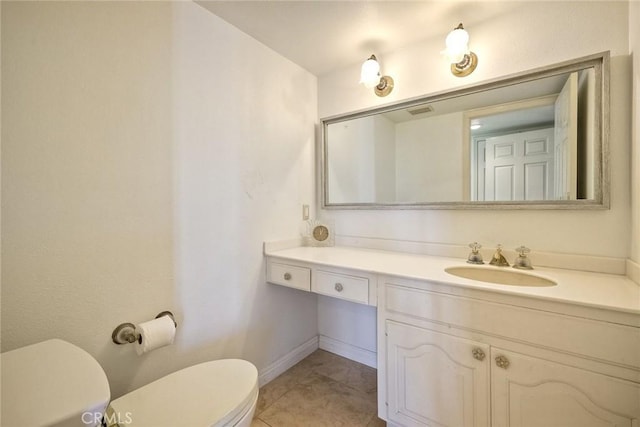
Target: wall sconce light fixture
x=370 y=77
x=462 y=60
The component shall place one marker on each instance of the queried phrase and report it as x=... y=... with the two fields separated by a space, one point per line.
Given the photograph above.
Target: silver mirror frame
x=601 y=64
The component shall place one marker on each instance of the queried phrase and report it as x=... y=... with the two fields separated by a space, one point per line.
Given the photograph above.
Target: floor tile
x=321 y=401
x=376 y=422
x=343 y=370
x=324 y=389
x=275 y=389
x=257 y=422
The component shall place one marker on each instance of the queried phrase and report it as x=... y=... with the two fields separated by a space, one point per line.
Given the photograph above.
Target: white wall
x=385 y=159
x=372 y=178
x=349 y=180
x=429 y=159
x=347 y=323
x=149 y=149
x=516 y=37
x=634 y=48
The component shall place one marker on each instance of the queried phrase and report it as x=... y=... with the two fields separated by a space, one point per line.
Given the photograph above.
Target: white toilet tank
x=52 y=383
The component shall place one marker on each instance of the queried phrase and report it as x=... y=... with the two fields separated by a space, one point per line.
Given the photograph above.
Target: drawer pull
x=502 y=362
x=478 y=354
x=338 y=287
x=287 y=276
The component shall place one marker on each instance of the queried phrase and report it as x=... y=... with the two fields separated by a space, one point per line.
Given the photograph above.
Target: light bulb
x=370 y=72
x=457 y=45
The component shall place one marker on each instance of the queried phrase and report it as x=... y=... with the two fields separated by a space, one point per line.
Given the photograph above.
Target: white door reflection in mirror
x=519 y=166
x=512 y=152
x=527 y=165
x=566 y=141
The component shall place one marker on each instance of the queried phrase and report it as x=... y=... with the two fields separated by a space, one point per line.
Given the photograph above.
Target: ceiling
x=322 y=35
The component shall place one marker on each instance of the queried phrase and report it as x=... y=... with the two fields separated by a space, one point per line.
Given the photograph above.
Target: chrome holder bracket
x=125 y=333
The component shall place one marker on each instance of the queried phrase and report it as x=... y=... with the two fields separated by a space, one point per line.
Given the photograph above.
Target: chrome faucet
x=498 y=259
x=475 y=257
x=522 y=261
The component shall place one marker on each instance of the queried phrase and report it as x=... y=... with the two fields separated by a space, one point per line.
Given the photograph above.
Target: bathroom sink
x=500 y=277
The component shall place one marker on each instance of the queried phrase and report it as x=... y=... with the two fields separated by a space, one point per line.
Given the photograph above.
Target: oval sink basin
x=500 y=277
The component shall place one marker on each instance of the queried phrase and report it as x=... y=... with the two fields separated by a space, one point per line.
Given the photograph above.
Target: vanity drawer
x=289 y=275
x=344 y=286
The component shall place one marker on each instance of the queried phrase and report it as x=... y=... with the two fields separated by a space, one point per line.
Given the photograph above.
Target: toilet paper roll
x=155 y=333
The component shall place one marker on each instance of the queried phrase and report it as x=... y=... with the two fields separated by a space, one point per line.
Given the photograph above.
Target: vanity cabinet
x=463 y=360
x=458 y=352
x=349 y=285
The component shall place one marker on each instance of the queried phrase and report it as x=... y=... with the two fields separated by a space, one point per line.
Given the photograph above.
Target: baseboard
x=287 y=361
x=633 y=271
x=360 y=355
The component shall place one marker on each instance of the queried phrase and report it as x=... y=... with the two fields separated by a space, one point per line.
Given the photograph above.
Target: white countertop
x=599 y=290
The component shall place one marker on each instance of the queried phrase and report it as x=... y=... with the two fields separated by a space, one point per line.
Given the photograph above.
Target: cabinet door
x=435 y=379
x=532 y=392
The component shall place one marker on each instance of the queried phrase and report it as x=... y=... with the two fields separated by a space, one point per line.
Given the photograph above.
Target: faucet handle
x=522 y=262
x=475 y=246
x=475 y=257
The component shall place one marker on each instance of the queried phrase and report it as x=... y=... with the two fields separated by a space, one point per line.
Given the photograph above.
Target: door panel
x=535 y=180
x=519 y=166
x=433 y=379
x=532 y=392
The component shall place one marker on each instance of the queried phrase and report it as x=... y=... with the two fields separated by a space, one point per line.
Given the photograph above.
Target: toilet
x=54 y=383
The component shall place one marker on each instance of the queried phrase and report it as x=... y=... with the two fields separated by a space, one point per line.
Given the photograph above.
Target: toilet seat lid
x=209 y=394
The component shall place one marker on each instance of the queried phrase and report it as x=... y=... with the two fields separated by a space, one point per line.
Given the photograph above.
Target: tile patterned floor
x=323 y=390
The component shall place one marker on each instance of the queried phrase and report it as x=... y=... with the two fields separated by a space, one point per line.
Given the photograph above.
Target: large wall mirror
x=535 y=140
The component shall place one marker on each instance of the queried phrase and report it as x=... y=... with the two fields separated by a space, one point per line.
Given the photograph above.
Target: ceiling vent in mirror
x=421 y=110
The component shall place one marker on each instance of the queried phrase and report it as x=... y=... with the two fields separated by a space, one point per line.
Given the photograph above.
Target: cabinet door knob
x=338 y=287
x=478 y=354
x=287 y=276
x=502 y=362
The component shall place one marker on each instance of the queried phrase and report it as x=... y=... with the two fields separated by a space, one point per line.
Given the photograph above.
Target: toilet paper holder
x=125 y=333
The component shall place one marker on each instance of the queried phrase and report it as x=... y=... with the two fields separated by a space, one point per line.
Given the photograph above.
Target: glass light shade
x=457 y=45
x=370 y=73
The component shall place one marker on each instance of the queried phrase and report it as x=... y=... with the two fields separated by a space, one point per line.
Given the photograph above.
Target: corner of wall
x=633 y=271
x=634 y=51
